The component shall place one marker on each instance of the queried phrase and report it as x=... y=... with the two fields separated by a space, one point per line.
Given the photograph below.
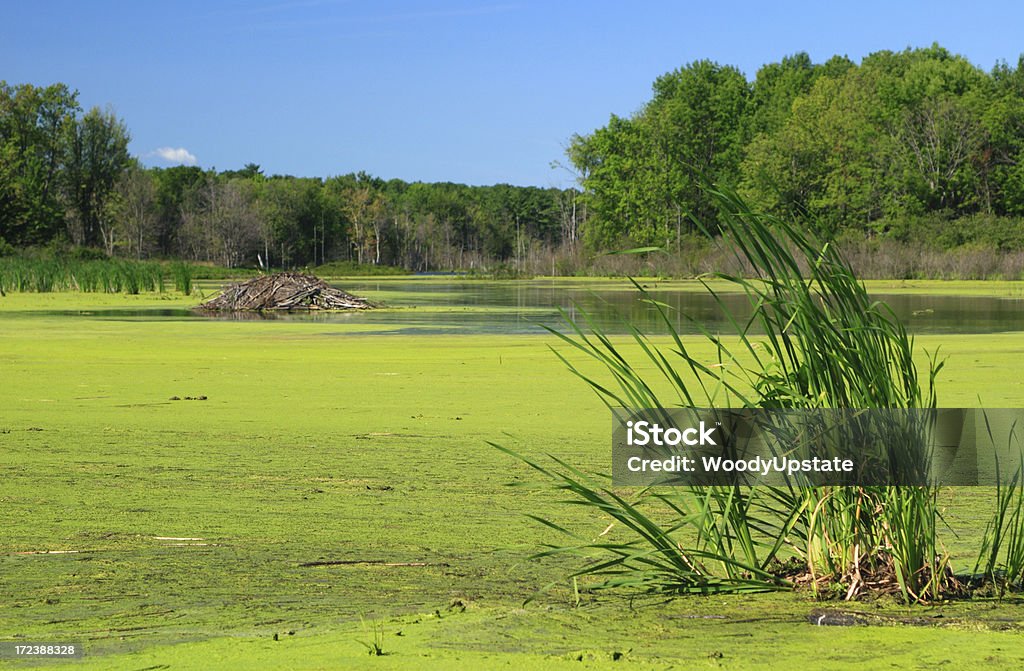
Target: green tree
x=1003 y=122
x=96 y=153
x=934 y=105
x=830 y=161
x=775 y=88
x=616 y=162
x=643 y=174
x=176 y=188
x=33 y=122
x=897 y=136
x=299 y=224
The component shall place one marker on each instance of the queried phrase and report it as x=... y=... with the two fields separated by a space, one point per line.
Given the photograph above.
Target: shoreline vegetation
x=82 y=269
x=910 y=161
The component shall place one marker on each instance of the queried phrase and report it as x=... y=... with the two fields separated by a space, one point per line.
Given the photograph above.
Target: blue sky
x=439 y=90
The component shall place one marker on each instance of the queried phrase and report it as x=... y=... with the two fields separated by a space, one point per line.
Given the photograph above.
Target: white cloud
x=176 y=155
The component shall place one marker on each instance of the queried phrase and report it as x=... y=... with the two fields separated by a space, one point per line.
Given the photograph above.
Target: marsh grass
x=825 y=344
x=1000 y=561
x=182 y=277
x=44 y=275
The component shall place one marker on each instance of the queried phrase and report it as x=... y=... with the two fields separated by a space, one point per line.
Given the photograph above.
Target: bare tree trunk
x=376 y=239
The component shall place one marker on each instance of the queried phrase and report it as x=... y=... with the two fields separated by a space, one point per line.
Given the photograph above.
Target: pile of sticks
x=285 y=291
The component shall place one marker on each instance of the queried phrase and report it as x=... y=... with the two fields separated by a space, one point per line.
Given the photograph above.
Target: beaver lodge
x=285 y=291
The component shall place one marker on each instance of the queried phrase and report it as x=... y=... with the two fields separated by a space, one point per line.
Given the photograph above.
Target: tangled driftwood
x=285 y=291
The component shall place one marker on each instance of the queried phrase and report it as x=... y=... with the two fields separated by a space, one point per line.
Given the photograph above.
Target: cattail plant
x=45 y=275
x=816 y=340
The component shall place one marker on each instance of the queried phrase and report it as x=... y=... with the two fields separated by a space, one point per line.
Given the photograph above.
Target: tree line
x=58 y=166
x=66 y=176
x=910 y=145
x=242 y=217
x=918 y=146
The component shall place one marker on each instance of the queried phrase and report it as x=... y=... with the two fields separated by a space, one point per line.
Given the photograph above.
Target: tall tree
x=32 y=133
x=136 y=192
x=96 y=155
x=643 y=174
x=176 y=188
x=1003 y=121
x=364 y=208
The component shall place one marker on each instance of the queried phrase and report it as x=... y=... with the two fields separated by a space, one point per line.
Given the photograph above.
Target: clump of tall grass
x=825 y=344
x=1001 y=556
x=43 y=275
x=1000 y=559
x=182 y=277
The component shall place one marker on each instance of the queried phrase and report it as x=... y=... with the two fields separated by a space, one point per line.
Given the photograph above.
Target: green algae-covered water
x=429 y=306
x=190 y=492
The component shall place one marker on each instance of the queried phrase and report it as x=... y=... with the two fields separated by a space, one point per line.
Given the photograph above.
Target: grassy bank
x=328 y=476
x=47 y=274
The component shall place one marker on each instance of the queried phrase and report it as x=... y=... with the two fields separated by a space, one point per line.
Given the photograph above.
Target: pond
x=432 y=306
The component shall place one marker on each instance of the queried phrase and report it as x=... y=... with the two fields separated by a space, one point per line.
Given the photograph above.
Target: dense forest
x=912 y=144
x=914 y=148
x=66 y=178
